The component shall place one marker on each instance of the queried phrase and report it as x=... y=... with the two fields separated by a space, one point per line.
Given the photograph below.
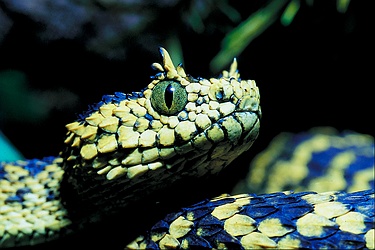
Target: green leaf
x=290 y=12
x=240 y=37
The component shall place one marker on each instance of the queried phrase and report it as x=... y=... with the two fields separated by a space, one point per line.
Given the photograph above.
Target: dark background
x=315 y=72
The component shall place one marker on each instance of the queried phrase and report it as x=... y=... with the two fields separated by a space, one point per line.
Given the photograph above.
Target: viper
x=131 y=147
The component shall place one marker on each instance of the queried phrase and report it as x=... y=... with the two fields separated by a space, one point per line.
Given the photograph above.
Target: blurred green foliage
x=17 y=102
x=108 y=27
x=241 y=36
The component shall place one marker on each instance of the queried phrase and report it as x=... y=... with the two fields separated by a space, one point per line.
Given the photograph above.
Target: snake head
x=176 y=126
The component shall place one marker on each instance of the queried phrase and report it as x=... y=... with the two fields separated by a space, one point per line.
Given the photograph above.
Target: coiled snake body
x=128 y=146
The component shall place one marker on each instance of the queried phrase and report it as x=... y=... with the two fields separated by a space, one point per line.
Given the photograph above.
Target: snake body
x=128 y=147
x=265 y=218
x=283 y=220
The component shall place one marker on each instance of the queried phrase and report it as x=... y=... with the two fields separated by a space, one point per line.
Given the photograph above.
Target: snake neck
x=129 y=146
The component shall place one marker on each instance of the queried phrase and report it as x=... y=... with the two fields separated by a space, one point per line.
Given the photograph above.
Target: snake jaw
x=129 y=139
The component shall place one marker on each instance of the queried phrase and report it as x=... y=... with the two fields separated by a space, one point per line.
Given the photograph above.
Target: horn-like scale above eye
x=169 y=97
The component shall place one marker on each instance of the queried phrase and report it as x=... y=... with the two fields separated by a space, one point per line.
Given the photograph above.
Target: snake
x=128 y=149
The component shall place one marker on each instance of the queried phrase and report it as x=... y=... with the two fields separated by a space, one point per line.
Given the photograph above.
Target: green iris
x=168 y=97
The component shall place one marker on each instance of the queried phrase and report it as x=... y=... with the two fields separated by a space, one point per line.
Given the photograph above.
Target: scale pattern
x=319 y=159
x=331 y=220
x=176 y=128
x=129 y=145
x=31 y=211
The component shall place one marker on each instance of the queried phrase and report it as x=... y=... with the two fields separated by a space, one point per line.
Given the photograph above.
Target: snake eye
x=168 y=97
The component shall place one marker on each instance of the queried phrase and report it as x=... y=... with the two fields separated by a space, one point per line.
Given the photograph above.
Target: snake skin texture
x=284 y=220
x=319 y=159
x=127 y=147
x=178 y=127
x=130 y=147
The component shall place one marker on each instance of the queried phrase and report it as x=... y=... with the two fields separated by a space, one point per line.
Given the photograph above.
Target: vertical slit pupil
x=168 y=95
